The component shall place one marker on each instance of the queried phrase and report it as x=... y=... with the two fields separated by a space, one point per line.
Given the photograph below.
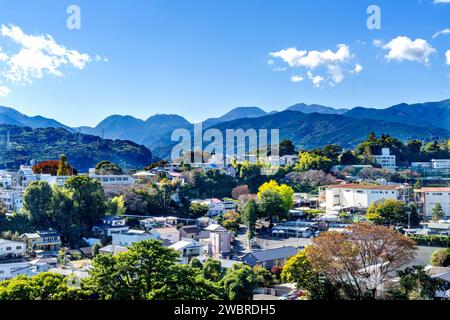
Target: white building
x=26 y=175
x=440 y=163
x=111 y=179
x=358 y=195
x=12 y=199
x=12 y=262
x=126 y=239
x=54 y=180
x=167 y=233
x=189 y=249
x=5 y=179
x=386 y=160
x=427 y=198
x=11 y=249
x=219 y=241
x=216 y=206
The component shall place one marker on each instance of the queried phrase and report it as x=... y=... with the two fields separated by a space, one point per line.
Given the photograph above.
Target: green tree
x=348 y=158
x=271 y=205
x=238 y=283
x=437 y=212
x=439 y=258
x=212 y=270
x=390 y=211
x=116 y=206
x=63 y=167
x=37 y=200
x=197 y=210
x=249 y=216
x=263 y=276
x=107 y=167
x=286 y=147
x=414 y=284
x=89 y=201
x=231 y=221
x=311 y=161
x=148 y=271
x=298 y=269
x=285 y=191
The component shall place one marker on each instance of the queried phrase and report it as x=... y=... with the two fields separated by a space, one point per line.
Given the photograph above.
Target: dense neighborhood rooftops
x=362 y=186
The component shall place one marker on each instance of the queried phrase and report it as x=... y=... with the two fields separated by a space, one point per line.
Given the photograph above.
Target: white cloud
x=441 y=33
x=313 y=59
x=404 y=49
x=358 y=68
x=329 y=66
x=441 y=1
x=38 y=56
x=316 y=80
x=447 y=57
x=4 y=91
x=297 y=78
x=378 y=43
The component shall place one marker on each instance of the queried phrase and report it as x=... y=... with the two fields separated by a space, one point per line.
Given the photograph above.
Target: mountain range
x=83 y=151
x=308 y=126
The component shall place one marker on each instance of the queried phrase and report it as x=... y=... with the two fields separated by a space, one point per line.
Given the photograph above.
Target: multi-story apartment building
x=386 y=160
x=359 y=196
x=219 y=241
x=427 y=198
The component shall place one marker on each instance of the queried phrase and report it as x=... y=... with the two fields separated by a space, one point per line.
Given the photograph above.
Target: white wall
x=14 y=248
x=432 y=198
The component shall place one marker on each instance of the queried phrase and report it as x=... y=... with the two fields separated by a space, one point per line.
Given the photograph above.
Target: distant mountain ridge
x=83 y=151
x=236 y=113
x=432 y=114
x=13 y=117
x=307 y=125
x=315 y=108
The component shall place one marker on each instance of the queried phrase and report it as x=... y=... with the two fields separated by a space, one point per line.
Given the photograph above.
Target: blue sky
x=201 y=58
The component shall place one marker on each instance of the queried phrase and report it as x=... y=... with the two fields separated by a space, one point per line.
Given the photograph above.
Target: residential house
x=12 y=260
x=157 y=222
x=219 y=241
x=11 y=249
x=269 y=258
x=126 y=239
x=112 y=249
x=44 y=240
x=215 y=206
x=428 y=198
x=188 y=248
x=12 y=199
x=443 y=274
x=189 y=232
x=166 y=233
x=110 y=225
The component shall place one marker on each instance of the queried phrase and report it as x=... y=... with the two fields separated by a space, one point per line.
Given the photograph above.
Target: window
x=8 y=248
x=18 y=247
